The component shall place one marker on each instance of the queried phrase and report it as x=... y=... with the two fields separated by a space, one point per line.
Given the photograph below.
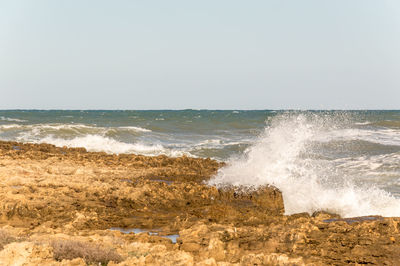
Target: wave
x=118 y=139
x=136 y=129
x=97 y=143
x=11 y=119
x=382 y=136
x=74 y=128
x=283 y=157
x=387 y=123
x=362 y=123
x=91 y=137
x=377 y=168
x=45 y=126
x=10 y=126
x=210 y=142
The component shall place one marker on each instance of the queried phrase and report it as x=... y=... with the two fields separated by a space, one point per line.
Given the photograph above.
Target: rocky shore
x=62 y=206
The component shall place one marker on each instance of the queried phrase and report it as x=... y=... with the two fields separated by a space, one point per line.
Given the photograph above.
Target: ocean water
x=347 y=162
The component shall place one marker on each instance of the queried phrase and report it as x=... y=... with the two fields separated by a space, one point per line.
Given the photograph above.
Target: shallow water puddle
x=132 y=230
x=173 y=238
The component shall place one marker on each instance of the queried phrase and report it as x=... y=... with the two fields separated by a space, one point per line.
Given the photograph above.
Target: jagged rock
x=48 y=192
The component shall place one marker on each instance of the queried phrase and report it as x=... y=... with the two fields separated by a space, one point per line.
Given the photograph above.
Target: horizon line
x=201 y=109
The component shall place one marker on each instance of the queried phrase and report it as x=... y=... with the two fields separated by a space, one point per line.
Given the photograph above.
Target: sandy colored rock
x=207 y=262
x=26 y=253
x=133 y=207
x=216 y=249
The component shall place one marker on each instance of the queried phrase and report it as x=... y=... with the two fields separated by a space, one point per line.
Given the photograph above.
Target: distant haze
x=226 y=54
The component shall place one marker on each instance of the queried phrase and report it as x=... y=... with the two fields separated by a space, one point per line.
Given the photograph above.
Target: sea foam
x=11 y=119
x=72 y=127
x=97 y=143
x=283 y=156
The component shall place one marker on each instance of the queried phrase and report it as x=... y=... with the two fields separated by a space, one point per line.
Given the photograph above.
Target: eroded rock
x=59 y=193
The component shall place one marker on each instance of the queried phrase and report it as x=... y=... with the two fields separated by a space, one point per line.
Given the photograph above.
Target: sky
x=209 y=54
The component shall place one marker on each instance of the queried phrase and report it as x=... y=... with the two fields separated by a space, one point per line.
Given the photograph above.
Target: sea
x=346 y=162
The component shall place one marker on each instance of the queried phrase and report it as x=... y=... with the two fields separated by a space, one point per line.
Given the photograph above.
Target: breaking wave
x=383 y=136
x=288 y=155
x=11 y=119
x=72 y=127
x=93 y=138
x=97 y=143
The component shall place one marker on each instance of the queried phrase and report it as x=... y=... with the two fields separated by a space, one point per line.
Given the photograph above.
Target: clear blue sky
x=219 y=54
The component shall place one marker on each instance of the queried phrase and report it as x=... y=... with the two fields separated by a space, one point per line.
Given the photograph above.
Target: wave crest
x=97 y=143
x=3 y=118
x=284 y=156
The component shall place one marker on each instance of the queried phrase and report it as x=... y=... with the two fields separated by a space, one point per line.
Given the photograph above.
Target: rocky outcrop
x=161 y=212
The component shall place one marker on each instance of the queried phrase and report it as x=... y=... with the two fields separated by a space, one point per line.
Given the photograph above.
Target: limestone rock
x=26 y=253
x=59 y=193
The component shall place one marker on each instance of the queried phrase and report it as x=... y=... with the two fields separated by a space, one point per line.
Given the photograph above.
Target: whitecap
x=11 y=119
x=362 y=123
x=279 y=158
x=382 y=136
x=98 y=143
x=136 y=129
x=11 y=126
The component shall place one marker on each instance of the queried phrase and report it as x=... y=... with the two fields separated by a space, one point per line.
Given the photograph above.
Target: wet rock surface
x=165 y=215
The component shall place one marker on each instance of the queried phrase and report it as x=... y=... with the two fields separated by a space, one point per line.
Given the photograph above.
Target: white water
x=283 y=157
x=90 y=137
x=73 y=127
x=96 y=138
x=11 y=119
x=383 y=136
x=99 y=143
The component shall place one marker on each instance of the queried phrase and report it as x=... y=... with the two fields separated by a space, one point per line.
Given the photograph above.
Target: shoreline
x=68 y=194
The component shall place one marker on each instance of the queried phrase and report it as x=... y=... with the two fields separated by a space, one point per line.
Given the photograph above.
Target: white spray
x=282 y=157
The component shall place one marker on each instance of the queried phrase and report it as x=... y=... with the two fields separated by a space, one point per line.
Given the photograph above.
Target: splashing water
x=288 y=155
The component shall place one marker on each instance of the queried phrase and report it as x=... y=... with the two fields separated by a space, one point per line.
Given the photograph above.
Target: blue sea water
x=215 y=134
x=336 y=160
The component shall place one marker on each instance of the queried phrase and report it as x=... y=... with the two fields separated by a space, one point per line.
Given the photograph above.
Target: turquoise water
x=354 y=150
